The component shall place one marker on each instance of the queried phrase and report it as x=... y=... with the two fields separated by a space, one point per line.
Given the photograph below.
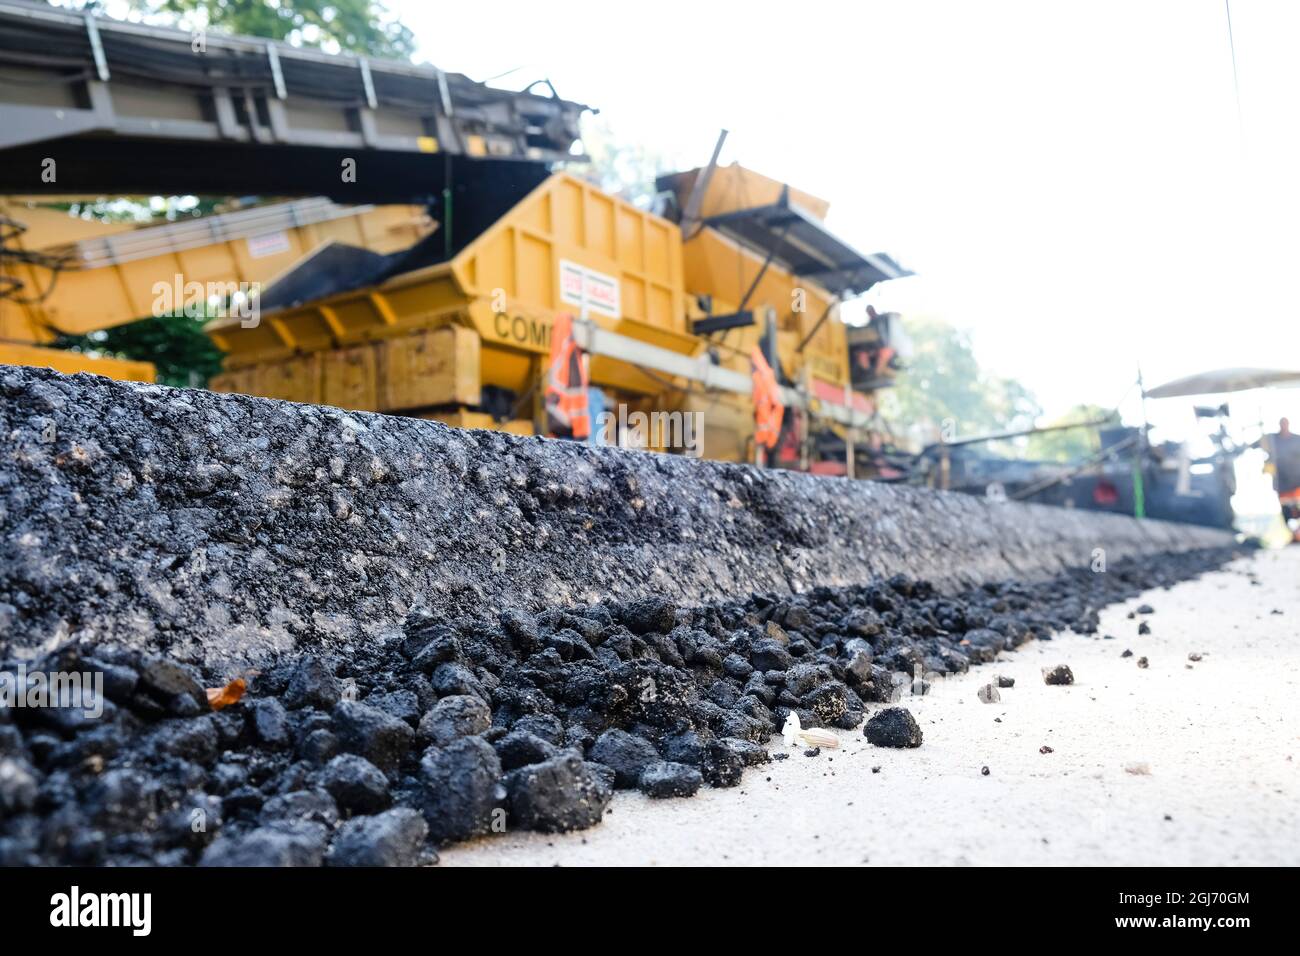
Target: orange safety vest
x=566 y=380
x=768 y=410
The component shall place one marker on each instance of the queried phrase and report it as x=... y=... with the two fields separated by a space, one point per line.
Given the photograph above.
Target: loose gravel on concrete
x=1159 y=767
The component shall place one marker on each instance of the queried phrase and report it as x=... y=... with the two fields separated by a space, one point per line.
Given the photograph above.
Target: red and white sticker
x=589 y=289
x=268 y=244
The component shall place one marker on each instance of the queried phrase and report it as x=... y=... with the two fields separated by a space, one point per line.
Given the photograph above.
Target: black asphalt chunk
x=1058 y=675
x=558 y=795
x=893 y=727
x=667 y=779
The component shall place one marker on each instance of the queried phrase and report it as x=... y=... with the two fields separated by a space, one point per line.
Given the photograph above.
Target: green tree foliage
x=185 y=357
x=1071 y=445
x=943 y=392
x=624 y=168
x=349 y=26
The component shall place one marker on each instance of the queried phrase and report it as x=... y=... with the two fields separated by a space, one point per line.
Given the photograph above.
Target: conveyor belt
x=140 y=97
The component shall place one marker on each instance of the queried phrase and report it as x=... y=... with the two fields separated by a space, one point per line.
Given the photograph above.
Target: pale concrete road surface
x=1180 y=763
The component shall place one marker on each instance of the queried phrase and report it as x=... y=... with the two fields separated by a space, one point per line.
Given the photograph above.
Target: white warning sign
x=589 y=289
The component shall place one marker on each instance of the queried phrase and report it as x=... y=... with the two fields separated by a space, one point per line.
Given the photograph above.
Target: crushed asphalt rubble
x=492 y=721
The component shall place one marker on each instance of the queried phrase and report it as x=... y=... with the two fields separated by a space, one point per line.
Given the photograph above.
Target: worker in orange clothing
x=768 y=410
x=1284 y=462
x=568 y=410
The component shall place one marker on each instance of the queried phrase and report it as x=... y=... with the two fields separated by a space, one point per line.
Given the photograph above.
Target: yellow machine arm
x=68 y=275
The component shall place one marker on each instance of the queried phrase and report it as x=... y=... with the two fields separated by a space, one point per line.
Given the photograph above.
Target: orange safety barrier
x=768 y=410
x=566 y=381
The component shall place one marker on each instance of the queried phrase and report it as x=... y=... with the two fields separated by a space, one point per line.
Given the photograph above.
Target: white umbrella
x=1226 y=380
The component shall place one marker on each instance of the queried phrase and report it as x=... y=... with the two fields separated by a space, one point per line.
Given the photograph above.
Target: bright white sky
x=1069 y=180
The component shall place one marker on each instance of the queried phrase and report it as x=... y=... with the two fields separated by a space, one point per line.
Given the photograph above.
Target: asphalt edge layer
x=229 y=530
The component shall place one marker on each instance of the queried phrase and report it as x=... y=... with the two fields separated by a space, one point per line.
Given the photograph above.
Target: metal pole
x=849 y=454
x=446 y=207
x=1236 y=85
x=771 y=254
x=1139 y=491
x=817 y=326
x=691 y=214
x=97 y=48
x=1140 y=456
x=805 y=422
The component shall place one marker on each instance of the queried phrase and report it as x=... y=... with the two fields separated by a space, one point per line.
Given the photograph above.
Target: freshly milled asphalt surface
x=1179 y=763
